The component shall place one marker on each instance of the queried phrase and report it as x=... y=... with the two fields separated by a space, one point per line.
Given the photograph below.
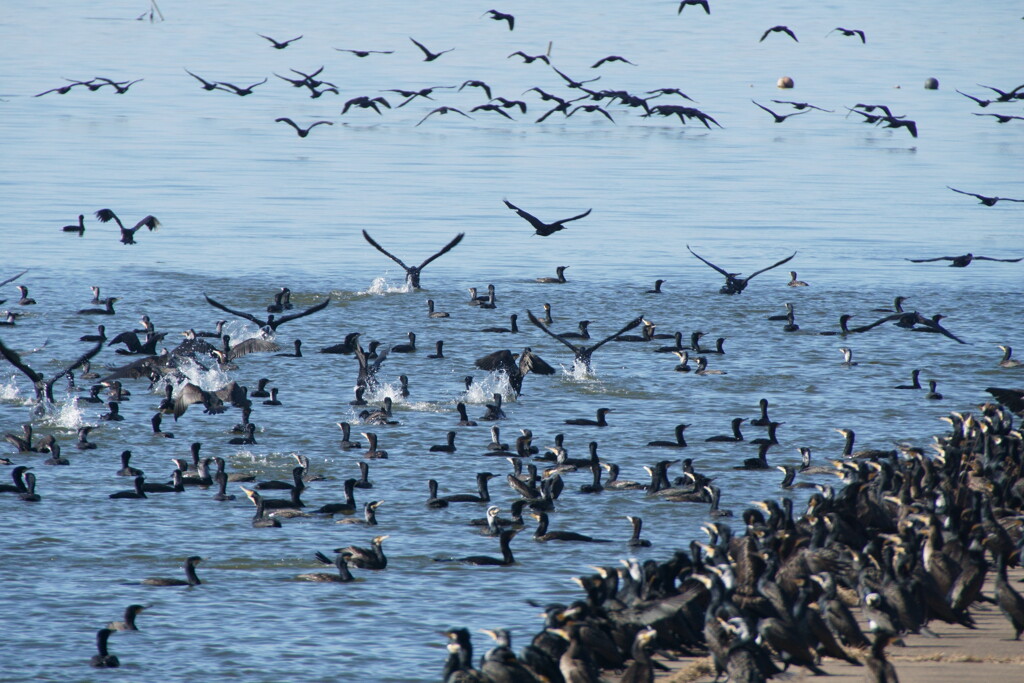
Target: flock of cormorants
x=909 y=536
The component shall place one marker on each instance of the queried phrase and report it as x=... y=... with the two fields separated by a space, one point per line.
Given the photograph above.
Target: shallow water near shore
x=248 y=207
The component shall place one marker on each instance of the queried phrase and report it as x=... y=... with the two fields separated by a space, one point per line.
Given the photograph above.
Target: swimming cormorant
x=130 y=612
x=599 y=422
x=560 y=277
x=735 y=436
x=680 y=441
x=348 y=507
x=372 y=451
x=103 y=659
x=137 y=492
x=339 y=561
x=366 y=558
x=191 y=579
x=448 y=447
x=915 y=382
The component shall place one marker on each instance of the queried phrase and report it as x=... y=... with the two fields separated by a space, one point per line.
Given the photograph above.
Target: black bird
x=964 y=260
x=506 y=559
x=575 y=84
x=658 y=92
x=987 y=201
x=701 y=3
x=981 y=102
x=1005 y=96
x=497 y=109
x=207 y=85
x=599 y=422
x=733 y=283
x=412 y=273
x=476 y=84
x=44 y=387
x=62 y=90
x=241 y=92
x=366 y=102
x=442 y=111
x=279 y=45
x=610 y=58
x=103 y=659
x=127 y=234
x=1002 y=118
x=562 y=106
x=303 y=132
x=428 y=55
x=119 y=87
x=892 y=122
x=272 y=322
x=849 y=32
x=80 y=228
x=530 y=59
x=365 y=53
x=802 y=105
x=590 y=108
x=191 y=579
x=778 y=29
x=366 y=558
x=501 y=16
x=779 y=119
x=583 y=354
x=544 y=229
x=510 y=104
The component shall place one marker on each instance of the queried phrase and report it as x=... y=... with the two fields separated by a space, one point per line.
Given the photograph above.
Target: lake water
x=248 y=207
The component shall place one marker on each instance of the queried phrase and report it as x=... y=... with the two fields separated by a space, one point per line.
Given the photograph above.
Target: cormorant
x=412 y=273
x=103 y=659
x=339 y=561
x=733 y=283
x=190 y=573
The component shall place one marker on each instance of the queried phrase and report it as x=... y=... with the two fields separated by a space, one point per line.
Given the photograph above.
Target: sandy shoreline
x=986 y=654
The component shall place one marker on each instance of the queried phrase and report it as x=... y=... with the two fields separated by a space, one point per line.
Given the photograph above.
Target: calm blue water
x=248 y=207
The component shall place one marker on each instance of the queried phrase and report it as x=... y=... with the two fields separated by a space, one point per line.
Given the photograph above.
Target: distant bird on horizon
x=544 y=229
x=779 y=29
x=279 y=45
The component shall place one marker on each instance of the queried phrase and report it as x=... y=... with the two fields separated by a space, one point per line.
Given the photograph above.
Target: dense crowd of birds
x=909 y=536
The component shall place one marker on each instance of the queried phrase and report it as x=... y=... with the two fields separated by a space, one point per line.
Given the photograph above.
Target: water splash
x=9 y=391
x=380 y=286
x=67 y=415
x=483 y=391
x=580 y=372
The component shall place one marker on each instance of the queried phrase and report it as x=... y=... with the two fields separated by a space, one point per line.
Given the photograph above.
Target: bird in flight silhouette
x=412 y=273
x=733 y=283
x=544 y=229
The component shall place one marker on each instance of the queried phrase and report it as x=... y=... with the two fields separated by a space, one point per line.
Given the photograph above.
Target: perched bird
x=544 y=229
x=302 y=132
x=279 y=45
x=778 y=29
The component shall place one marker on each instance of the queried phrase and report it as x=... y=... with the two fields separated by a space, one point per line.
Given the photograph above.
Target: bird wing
x=287 y=120
x=445 y=249
x=531 y=362
x=149 y=221
x=931 y=324
x=499 y=360
x=533 y=319
x=937 y=258
x=15 y=360
x=628 y=326
x=1004 y=260
x=312 y=309
x=766 y=109
x=1011 y=398
x=720 y=270
x=582 y=215
x=240 y=314
x=418 y=44
x=382 y=249
x=774 y=265
x=12 y=279
x=789 y=32
x=531 y=219
x=106 y=215
x=232 y=392
x=252 y=345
